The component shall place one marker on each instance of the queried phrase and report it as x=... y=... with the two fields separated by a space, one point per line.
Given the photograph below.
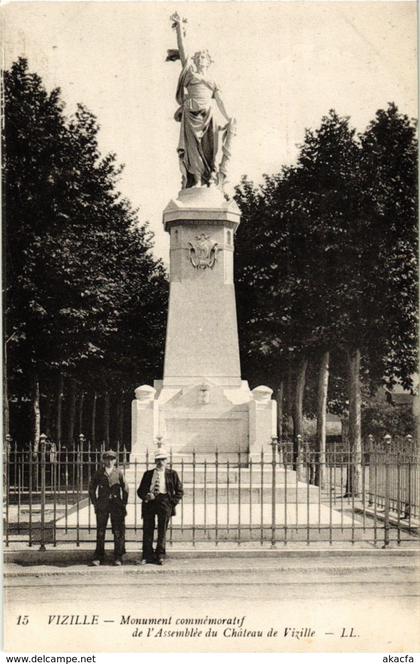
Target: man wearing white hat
x=160 y=491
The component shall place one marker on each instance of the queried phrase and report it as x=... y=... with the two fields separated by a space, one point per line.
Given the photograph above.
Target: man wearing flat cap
x=108 y=491
x=160 y=491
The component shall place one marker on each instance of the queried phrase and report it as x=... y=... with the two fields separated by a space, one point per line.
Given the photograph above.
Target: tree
x=380 y=417
x=84 y=295
x=389 y=169
x=299 y=218
x=31 y=141
x=328 y=250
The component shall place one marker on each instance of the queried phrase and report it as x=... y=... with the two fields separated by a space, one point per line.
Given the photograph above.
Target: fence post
x=6 y=479
x=298 y=456
x=171 y=460
x=370 y=452
x=216 y=508
x=387 y=441
x=42 y=446
x=409 y=454
x=273 y=490
x=280 y=448
x=81 y=460
x=193 y=497
x=407 y=506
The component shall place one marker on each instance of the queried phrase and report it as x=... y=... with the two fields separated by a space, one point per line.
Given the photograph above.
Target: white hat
x=160 y=454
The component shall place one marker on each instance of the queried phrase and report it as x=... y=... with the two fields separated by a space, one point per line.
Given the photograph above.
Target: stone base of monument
x=203 y=417
x=202 y=404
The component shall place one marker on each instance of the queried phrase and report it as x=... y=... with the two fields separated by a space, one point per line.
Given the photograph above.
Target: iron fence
x=275 y=496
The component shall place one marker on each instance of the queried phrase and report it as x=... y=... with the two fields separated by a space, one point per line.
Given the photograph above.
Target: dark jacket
x=108 y=491
x=173 y=487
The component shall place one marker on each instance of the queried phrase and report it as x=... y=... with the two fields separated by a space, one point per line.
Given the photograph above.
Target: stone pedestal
x=262 y=420
x=202 y=404
x=202 y=333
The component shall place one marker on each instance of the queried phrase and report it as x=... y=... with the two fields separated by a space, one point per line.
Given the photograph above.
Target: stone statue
x=199 y=133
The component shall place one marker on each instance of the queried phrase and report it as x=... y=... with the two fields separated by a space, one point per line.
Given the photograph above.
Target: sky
x=281 y=66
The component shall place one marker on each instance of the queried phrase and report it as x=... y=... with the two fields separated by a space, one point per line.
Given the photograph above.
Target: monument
x=202 y=404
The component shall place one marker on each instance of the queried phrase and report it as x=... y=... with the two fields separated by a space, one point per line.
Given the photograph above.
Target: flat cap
x=109 y=454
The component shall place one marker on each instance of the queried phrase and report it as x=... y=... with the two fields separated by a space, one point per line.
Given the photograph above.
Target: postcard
x=210 y=401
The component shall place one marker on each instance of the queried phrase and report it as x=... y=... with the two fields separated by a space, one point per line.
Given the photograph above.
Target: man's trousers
x=161 y=508
x=117 y=514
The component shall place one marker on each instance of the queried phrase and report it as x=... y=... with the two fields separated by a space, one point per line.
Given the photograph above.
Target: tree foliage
x=83 y=293
x=327 y=257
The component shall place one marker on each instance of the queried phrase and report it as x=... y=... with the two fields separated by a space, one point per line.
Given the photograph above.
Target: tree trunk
x=321 y=422
x=36 y=413
x=47 y=419
x=279 y=399
x=289 y=400
x=6 y=411
x=81 y=405
x=106 y=419
x=298 y=411
x=120 y=420
x=93 y=421
x=355 y=427
x=60 y=394
x=72 y=414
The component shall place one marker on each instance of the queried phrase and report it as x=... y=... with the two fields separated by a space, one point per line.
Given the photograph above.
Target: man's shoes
x=159 y=561
x=143 y=561
x=117 y=563
x=95 y=563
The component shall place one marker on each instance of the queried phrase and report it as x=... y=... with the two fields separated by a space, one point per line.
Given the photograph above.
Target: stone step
x=234 y=533
x=199 y=522
x=208 y=475
x=176 y=458
x=188 y=512
x=207 y=493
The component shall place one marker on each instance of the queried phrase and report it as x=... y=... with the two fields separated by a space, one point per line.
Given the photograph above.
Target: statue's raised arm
x=178 y=24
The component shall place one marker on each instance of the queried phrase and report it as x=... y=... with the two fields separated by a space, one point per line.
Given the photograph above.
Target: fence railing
x=275 y=496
